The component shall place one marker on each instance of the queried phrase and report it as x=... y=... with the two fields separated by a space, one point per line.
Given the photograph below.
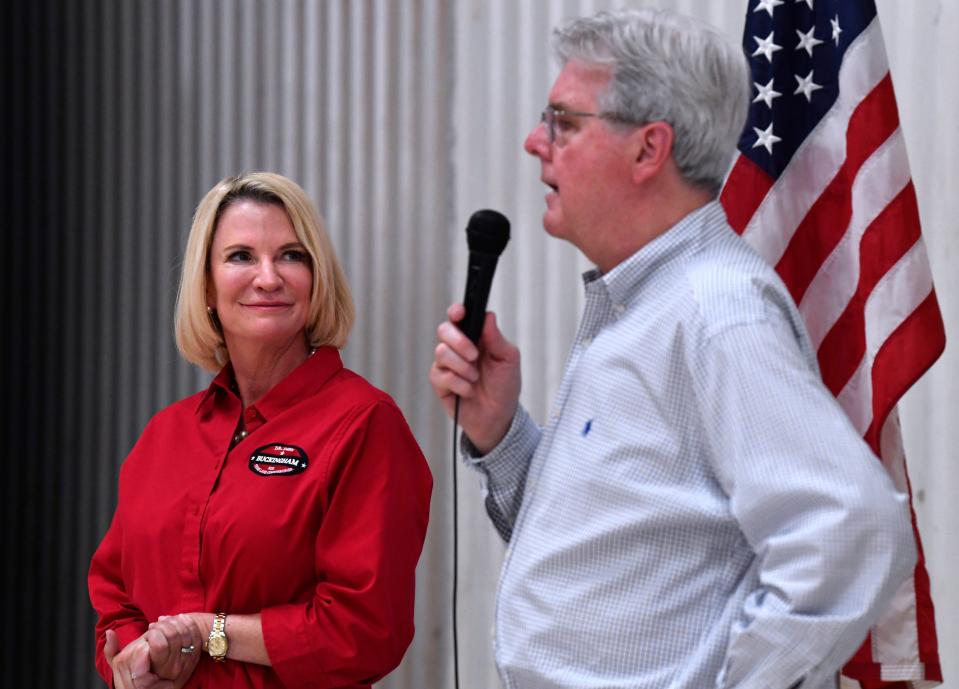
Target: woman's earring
x=214 y=319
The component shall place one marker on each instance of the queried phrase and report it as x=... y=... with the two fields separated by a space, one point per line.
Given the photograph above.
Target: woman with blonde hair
x=267 y=528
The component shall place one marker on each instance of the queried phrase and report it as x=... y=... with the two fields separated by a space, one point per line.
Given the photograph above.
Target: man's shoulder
x=731 y=285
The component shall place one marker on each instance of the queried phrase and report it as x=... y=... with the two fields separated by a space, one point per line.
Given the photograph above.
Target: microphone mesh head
x=487 y=232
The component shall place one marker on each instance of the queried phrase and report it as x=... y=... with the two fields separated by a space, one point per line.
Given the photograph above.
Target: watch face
x=217 y=645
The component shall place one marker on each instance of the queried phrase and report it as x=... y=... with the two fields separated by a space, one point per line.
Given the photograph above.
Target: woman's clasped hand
x=164 y=657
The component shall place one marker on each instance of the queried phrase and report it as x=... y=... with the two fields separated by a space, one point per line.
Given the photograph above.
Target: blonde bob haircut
x=331 y=312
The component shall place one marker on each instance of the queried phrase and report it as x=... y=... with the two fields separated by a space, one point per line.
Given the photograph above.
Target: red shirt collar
x=302 y=381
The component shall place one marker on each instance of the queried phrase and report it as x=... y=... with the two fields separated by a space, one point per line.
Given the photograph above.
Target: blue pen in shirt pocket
x=587 y=427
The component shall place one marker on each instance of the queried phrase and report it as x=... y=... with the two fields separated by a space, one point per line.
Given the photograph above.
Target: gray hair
x=671 y=68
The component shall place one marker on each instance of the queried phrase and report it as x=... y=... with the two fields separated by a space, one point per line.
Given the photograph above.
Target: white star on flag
x=766 y=93
x=806 y=86
x=808 y=2
x=765 y=46
x=768 y=5
x=807 y=41
x=766 y=138
x=835 y=29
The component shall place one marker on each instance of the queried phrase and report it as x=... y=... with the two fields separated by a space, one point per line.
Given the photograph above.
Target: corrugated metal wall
x=400 y=119
x=124 y=113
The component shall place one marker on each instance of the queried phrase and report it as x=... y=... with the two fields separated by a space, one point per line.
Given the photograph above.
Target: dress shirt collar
x=303 y=381
x=623 y=282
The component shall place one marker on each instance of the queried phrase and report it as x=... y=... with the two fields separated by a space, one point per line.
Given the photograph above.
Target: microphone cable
x=487 y=233
x=456 y=653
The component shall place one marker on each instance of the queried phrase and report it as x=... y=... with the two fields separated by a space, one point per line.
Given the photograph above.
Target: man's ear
x=653 y=143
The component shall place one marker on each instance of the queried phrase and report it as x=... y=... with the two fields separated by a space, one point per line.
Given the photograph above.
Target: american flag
x=821 y=188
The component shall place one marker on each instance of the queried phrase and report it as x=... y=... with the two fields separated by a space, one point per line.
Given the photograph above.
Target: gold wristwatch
x=217 y=644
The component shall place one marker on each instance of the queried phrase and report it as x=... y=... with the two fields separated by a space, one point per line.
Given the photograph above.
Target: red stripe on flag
x=745 y=190
x=905 y=355
x=925 y=611
x=893 y=232
x=873 y=121
x=890 y=236
x=862 y=668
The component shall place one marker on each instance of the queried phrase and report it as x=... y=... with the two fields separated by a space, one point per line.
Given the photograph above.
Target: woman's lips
x=268 y=305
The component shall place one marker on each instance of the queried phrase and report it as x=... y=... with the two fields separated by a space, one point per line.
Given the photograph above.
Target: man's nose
x=537 y=142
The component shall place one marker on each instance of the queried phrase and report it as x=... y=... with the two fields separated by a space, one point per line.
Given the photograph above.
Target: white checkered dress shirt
x=698 y=512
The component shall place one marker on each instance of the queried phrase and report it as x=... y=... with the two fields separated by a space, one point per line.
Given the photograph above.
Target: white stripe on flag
x=881 y=178
x=895 y=297
x=895 y=636
x=856 y=396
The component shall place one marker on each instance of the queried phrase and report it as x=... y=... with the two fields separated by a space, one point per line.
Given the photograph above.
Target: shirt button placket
x=191 y=555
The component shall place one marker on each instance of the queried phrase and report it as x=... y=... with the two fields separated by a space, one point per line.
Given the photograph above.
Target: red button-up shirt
x=315 y=520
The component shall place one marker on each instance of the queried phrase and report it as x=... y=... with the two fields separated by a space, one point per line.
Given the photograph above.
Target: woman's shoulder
x=176 y=412
x=167 y=426
x=354 y=390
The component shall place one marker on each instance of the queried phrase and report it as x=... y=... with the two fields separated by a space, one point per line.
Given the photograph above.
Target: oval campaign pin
x=278 y=459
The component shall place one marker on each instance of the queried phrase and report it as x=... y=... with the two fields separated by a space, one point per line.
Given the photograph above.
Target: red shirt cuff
x=289 y=647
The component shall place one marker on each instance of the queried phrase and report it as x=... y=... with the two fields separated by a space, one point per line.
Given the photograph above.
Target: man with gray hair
x=697 y=511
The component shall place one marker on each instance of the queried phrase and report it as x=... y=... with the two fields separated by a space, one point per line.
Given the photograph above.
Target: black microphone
x=486 y=234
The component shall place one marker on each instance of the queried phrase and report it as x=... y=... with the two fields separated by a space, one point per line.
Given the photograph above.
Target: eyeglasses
x=557 y=126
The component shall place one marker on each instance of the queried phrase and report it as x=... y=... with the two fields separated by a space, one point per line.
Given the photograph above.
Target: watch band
x=217 y=643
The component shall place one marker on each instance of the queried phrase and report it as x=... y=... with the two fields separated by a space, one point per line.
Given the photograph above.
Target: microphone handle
x=479 y=278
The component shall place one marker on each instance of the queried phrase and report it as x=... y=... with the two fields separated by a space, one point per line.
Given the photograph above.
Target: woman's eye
x=240 y=256
x=295 y=255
